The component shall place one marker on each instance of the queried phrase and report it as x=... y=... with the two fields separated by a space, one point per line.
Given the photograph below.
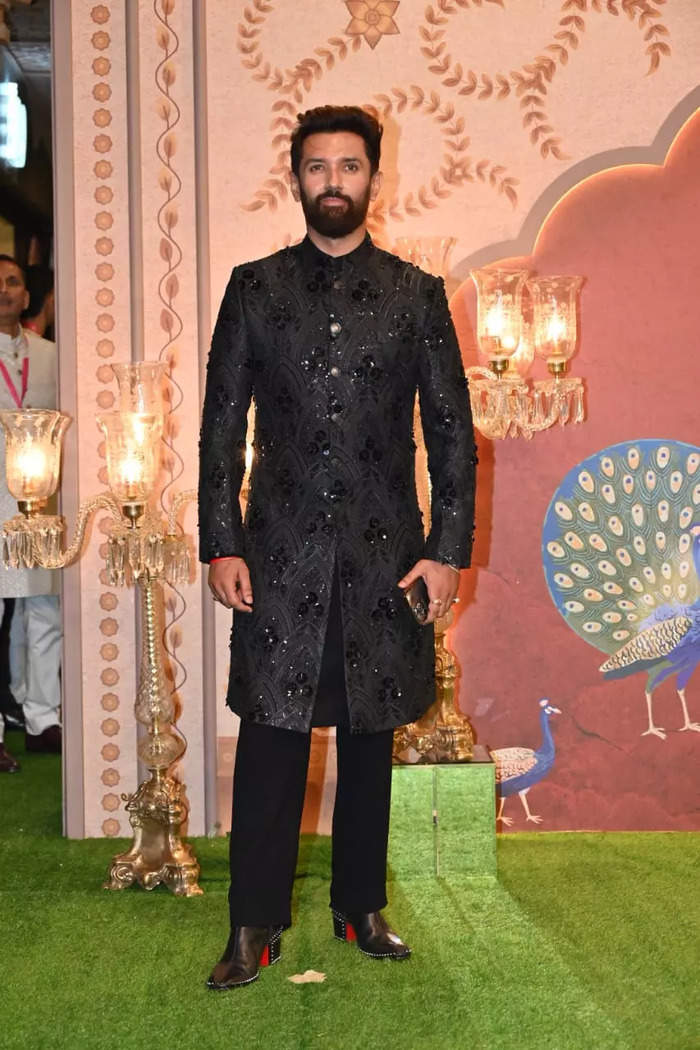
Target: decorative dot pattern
x=105 y=348
x=100 y=14
x=104 y=296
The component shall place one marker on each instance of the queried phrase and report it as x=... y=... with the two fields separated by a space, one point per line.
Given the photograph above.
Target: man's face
x=335 y=184
x=14 y=297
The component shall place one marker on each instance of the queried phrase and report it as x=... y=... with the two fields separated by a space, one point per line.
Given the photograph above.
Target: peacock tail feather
x=617 y=547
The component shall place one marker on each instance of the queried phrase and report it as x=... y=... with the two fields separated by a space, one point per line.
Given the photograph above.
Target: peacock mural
x=621 y=554
x=518 y=768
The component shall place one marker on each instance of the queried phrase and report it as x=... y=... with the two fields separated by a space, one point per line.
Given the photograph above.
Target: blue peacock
x=518 y=768
x=621 y=554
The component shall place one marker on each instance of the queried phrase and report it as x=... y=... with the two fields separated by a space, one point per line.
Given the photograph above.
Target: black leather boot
x=248 y=948
x=373 y=934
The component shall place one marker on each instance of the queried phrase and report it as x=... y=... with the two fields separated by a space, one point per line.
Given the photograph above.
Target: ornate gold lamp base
x=443 y=734
x=157 y=854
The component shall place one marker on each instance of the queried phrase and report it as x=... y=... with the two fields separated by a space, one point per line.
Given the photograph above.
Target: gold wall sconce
x=518 y=316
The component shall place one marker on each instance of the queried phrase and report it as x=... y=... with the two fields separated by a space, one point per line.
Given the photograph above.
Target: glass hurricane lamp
x=499 y=314
x=141 y=386
x=132 y=457
x=554 y=302
x=33 y=441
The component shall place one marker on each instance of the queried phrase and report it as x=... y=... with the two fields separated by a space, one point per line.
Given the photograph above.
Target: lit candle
x=31 y=465
x=494 y=322
x=556 y=328
x=498 y=327
x=131 y=470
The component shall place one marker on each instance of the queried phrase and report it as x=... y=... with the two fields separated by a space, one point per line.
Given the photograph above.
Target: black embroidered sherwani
x=332 y=350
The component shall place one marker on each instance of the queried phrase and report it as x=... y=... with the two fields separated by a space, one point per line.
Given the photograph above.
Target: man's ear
x=375 y=185
x=294 y=186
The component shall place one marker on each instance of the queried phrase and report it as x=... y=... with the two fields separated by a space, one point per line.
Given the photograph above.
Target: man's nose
x=335 y=178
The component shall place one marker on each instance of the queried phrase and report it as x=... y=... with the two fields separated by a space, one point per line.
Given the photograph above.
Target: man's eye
x=351 y=167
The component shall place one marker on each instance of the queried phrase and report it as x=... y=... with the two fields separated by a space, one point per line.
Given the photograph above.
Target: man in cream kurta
x=28 y=380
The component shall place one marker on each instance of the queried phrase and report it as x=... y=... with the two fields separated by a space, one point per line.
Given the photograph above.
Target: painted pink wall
x=634 y=233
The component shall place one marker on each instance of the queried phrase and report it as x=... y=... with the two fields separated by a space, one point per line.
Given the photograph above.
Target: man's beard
x=334 y=221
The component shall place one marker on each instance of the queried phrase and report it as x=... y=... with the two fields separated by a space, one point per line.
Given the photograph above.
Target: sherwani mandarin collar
x=313 y=256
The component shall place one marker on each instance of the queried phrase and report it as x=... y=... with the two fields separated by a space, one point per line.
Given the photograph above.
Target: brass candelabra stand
x=443 y=734
x=158 y=808
x=143 y=549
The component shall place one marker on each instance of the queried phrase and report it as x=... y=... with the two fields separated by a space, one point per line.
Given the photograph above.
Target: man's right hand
x=229 y=583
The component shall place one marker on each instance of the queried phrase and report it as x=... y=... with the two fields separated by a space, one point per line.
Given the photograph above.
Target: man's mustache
x=333 y=194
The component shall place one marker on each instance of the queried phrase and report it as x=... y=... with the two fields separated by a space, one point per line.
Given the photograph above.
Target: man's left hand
x=442 y=582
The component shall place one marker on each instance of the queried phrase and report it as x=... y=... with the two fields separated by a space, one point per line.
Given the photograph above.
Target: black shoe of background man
x=11 y=711
x=49 y=741
x=8 y=762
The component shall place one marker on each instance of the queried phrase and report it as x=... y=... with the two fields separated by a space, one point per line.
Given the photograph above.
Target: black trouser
x=268 y=796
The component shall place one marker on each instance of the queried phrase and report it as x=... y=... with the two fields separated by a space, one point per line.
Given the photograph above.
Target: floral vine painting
x=444 y=88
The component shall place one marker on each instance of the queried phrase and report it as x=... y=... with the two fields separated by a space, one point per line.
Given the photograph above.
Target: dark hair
x=10 y=259
x=338 y=118
x=39 y=282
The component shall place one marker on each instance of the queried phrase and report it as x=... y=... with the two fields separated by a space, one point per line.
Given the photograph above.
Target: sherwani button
x=335 y=371
x=336 y=328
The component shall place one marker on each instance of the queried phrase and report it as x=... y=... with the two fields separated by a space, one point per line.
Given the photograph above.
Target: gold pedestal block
x=156 y=812
x=443 y=734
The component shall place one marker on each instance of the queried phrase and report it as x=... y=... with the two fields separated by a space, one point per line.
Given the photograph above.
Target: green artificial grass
x=585 y=942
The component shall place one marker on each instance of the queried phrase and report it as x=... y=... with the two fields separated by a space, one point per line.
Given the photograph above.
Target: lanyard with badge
x=17 y=398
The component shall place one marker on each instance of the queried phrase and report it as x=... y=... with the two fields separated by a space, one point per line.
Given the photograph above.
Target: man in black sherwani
x=331 y=338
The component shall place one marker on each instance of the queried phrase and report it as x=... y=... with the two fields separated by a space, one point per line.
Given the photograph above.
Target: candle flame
x=556 y=328
x=131 y=470
x=494 y=322
x=32 y=463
